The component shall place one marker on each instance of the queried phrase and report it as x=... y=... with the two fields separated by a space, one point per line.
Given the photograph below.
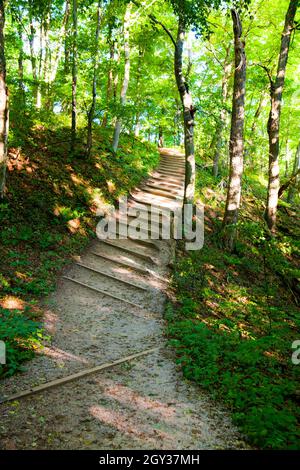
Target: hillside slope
x=237 y=315
x=48 y=215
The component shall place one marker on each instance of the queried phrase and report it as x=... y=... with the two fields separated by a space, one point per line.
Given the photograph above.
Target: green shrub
x=252 y=385
x=21 y=336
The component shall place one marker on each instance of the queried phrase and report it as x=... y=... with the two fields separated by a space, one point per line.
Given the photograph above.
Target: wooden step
x=163 y=205
x=142 y=231
x=130 y=251
x=134 y=267
x=162 y=187
x=168 y=179
x=147 y=219
x=110 y=276
x=170 y=172
x=109 y=294
x=167 y=184
x=158 y=192
x=171 y=175
x=172 y=165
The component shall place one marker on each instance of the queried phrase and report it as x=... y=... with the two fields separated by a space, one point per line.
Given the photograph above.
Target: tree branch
x=155 y=20
x=209 y=49
x=152 y=18
x=267 y=70
x=288 y=183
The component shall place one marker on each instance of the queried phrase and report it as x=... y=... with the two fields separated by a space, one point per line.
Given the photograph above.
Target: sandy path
x=141 y=404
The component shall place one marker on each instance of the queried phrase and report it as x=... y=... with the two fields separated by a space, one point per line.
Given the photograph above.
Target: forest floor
x=143 y=403
x=231 y=317
x=49 y=216
x=237 y=315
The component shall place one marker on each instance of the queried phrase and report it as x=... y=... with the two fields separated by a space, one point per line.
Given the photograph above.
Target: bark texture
x=236 y=144
x=91 y=113
x=137 y=125
x=62 y=37
x=227 y=66
x=3 y=104
x=295 y=178
x=74 y=77
x=125 y=84
x=274 y=116
x=21 y=65
x=188 y=114
x=31 y=44
x=110 y=78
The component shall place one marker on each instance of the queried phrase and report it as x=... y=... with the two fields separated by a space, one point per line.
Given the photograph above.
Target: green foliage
x=251 y=384
x=196 y=12
x=236 y=314
x=236 y=317
x=22 y=336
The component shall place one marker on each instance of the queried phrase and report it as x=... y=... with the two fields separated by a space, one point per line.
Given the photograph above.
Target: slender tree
x=185 y=97
x=91 y=112
x=3 y=103
x=236 y=144
x=227 y=66
x=44 y=53
x=276 y=90
x=117 y=57
x=126 y=78
x=21 y=67
x=61 y=37
x=188 y=111
x=138 y=92
x=295 y=178
x=74 y=77
x=31 y=36
x=110 y=77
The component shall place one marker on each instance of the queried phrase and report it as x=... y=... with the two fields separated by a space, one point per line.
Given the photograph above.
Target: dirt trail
x=140 y=404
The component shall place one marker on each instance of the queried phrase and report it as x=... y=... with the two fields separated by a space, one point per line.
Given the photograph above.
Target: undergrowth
x=237 y=315
x=49 y=214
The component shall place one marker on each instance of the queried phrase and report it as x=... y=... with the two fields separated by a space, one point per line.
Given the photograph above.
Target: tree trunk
x=57 y=54
x=91 y=112
x=44 y=53
x=236 y=145
x=74 y=77
x=296 y=170
x=116 y=77
x=38 y=103
x=274 y=117
x=249 y=150
x=109 y=81
x=125 y=85
x=137 y=124
x=188 y=114
x=160 y=137
x=31 y=37
x=3 y=104
x=21 y=66
x=59 y=50
x=219 y=134
x=287 y=154
x=260 y=107
x=67 y=45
